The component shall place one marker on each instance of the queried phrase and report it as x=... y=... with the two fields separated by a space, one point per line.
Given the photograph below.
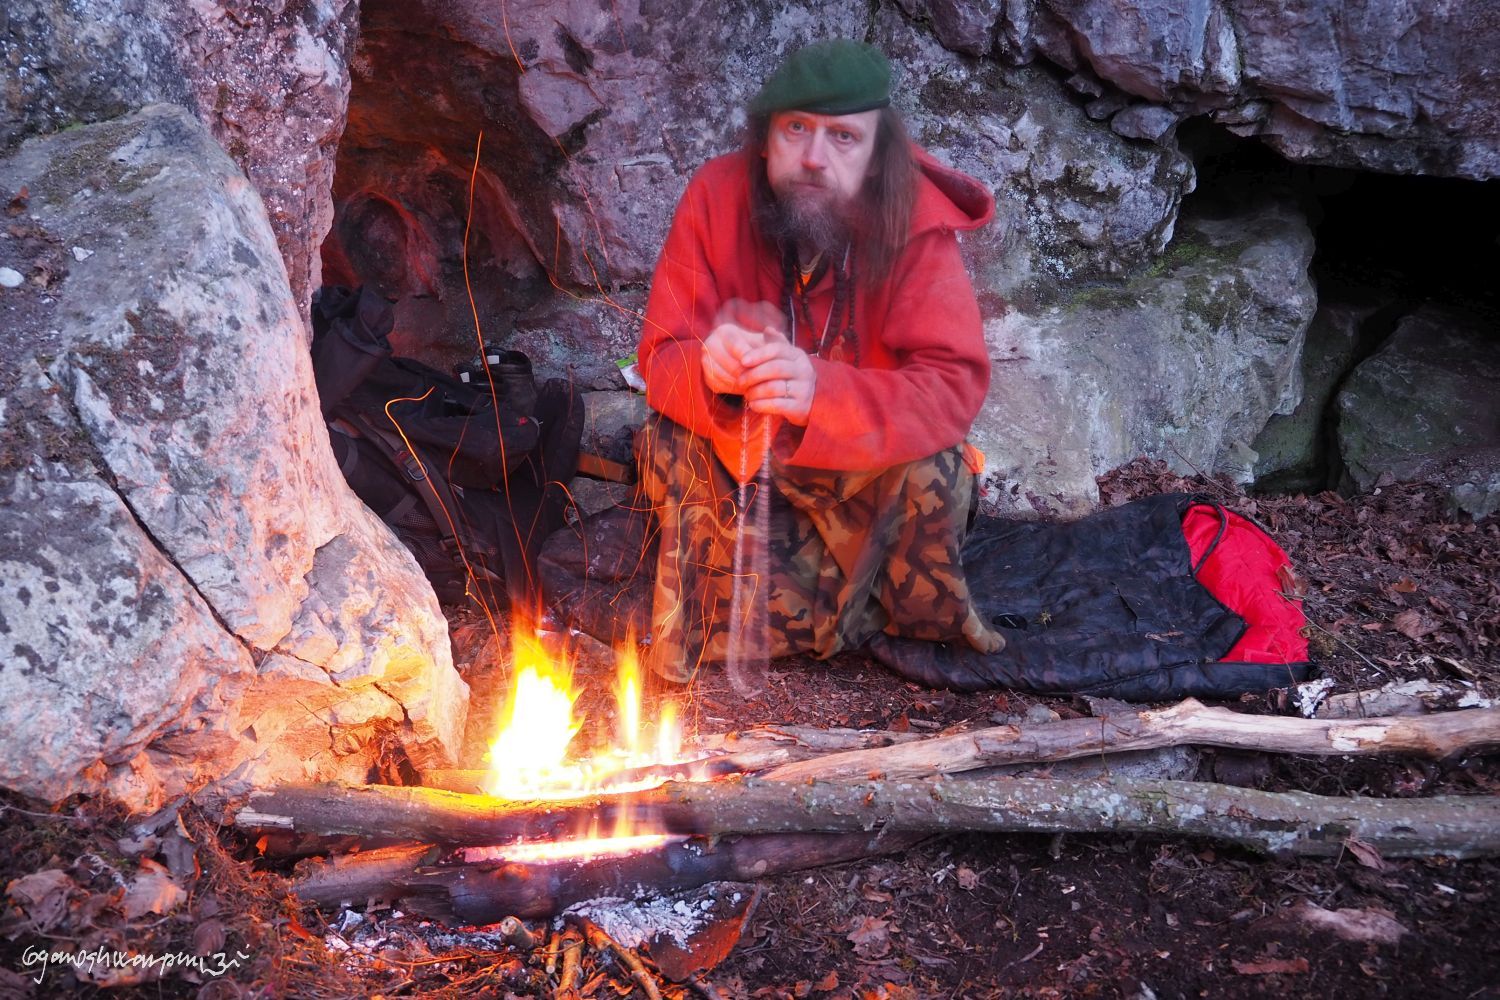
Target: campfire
x=739 y=806
x=532 y=756
x=652 y=811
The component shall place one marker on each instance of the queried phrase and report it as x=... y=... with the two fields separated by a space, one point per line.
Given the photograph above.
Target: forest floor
x=1397 y=589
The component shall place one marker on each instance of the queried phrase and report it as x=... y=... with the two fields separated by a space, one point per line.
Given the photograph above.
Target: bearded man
x=810 y=314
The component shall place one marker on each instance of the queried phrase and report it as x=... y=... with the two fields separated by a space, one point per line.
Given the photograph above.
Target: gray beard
x=814 y=226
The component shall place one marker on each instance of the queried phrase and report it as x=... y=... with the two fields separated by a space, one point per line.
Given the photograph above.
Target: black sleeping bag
x=1107 y=605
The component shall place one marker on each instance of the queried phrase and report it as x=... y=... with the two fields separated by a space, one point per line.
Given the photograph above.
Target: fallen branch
x=802 y=755
x=807 y=737
x=1406 y=698
x=473 y=781
x=1279 y=823
x=742 y=752
x=1188 y=722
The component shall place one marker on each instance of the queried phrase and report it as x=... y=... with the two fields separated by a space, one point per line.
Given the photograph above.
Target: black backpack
x=469 y=475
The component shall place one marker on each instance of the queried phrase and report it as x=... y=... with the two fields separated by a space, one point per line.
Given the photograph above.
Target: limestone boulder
x=1423 y=408
x=269 y=79
x=189 y=590
x=1184 y=363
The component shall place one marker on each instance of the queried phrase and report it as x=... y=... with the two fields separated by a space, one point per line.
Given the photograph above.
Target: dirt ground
x=1397 y=589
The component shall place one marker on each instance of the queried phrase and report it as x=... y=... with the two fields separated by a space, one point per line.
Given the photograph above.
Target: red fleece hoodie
x=924 y=367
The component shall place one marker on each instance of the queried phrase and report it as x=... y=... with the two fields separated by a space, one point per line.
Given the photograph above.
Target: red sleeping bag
x=1249 y=574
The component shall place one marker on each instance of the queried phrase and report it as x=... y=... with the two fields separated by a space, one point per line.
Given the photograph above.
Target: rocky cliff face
x=592 y=120
x=1377 y=84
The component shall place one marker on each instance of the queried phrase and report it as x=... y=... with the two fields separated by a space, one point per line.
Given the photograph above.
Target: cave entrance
x=1400 y=262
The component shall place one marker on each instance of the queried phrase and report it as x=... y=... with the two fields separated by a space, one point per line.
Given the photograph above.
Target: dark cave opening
x=1386 y=246
x=1417 y=238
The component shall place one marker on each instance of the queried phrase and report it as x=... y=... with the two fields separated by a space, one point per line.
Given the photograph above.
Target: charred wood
x=487 y=892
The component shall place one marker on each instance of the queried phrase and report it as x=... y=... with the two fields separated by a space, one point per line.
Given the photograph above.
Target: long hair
x=882 y=221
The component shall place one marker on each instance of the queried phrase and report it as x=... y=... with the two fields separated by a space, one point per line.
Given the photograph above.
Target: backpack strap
x=436 y=494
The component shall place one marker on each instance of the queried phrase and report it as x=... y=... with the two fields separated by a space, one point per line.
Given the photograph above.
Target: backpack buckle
x=411 y=465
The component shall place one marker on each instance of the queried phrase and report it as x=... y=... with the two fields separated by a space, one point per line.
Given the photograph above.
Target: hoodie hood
x=947 y=198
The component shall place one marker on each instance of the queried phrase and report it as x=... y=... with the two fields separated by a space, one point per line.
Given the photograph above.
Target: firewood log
x=874 y=755
x=1280 y=823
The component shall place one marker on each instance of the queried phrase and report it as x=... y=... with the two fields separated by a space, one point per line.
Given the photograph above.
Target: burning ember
x=529 y=756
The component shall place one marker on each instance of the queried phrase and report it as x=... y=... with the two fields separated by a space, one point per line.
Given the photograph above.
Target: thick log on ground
x=490 y=891
x=1188 y=722
x=1278 y=823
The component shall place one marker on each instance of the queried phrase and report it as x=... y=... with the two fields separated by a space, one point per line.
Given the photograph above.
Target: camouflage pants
x=848 y=555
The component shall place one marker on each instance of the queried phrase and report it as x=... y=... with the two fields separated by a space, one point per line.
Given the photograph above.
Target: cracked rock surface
x=270 y=80
x=187 y=588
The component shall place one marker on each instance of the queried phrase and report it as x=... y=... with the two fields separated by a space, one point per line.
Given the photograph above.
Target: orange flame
x=529 y=756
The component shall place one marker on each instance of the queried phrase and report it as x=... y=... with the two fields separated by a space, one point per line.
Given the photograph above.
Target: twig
x=517 y=934
x=572 y=955
x=1342 y=642
x=1033 y=953
x=553 y=944
x=1212 y=482
x=4 y=808
x=600 y=941
x=705 y=987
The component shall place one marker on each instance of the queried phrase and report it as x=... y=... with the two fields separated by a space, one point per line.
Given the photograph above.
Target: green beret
x=838 y=77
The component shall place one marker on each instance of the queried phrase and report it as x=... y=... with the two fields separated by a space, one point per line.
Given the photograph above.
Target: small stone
x=1088 y=84
x=1105 y=106
x=1477 y=499
x=10 y=278
x=1040 y=715
x=1144 y=121
x=79 y=253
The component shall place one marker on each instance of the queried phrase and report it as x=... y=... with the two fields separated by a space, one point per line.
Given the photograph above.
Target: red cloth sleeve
x=685 y=299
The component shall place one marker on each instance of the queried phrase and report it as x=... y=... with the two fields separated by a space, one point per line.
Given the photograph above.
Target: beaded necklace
x=799 y=283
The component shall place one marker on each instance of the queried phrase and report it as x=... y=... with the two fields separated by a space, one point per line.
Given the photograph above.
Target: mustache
x=810 y=178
